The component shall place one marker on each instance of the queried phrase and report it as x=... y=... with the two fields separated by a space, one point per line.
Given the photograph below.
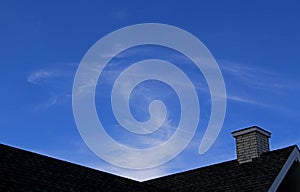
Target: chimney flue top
x=251 y=143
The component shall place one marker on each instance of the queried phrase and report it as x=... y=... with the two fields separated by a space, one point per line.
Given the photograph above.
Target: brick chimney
x=251 y=143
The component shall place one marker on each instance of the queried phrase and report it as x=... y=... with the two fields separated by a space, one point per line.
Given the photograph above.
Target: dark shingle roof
x=257 y=175
x=26 y=171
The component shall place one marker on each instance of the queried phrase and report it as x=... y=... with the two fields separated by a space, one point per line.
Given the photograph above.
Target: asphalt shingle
x=21 y=170
x=26 y=171
x=257 y=175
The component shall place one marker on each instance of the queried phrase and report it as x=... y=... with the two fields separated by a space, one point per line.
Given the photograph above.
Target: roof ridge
x=284 y=148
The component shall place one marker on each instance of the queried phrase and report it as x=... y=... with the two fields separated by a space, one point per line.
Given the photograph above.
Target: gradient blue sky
x=256 y=44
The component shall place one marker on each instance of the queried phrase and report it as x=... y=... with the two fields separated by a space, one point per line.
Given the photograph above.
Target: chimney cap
x=251 y=129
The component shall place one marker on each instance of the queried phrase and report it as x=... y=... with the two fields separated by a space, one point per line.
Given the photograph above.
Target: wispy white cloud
x=244 y=100
x=253 y=84
x=253 y=76
x=38 y=76
x=56 y=82
x=167 y=130
x=245 y=77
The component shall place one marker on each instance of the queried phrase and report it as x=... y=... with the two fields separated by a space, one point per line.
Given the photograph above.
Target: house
x=255 y=169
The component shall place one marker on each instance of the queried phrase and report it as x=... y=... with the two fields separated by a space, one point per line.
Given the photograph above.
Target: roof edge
x=64 y=161
x=294 y=156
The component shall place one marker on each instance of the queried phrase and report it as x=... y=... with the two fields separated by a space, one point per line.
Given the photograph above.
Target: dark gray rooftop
x=257 y=175
x=21 y=170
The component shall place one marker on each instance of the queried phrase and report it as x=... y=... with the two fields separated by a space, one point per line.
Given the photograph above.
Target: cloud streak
x=255 y=77
x=253 y=85
x=38 y=76
x=56 y=82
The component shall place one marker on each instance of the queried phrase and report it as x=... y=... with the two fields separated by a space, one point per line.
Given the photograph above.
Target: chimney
x=251 y=143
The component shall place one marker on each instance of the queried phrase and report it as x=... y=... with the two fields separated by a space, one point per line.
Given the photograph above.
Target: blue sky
x=256 y=45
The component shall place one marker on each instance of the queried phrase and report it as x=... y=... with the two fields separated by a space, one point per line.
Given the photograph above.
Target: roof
x=21 y=170
x=26 y=171
x=257 y=175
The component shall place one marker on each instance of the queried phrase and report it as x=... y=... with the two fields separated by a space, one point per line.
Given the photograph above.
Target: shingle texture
x=257 y=175
x=25 y=171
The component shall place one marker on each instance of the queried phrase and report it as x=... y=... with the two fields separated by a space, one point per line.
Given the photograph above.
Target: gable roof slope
x=257 y=175
x=26 y=171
